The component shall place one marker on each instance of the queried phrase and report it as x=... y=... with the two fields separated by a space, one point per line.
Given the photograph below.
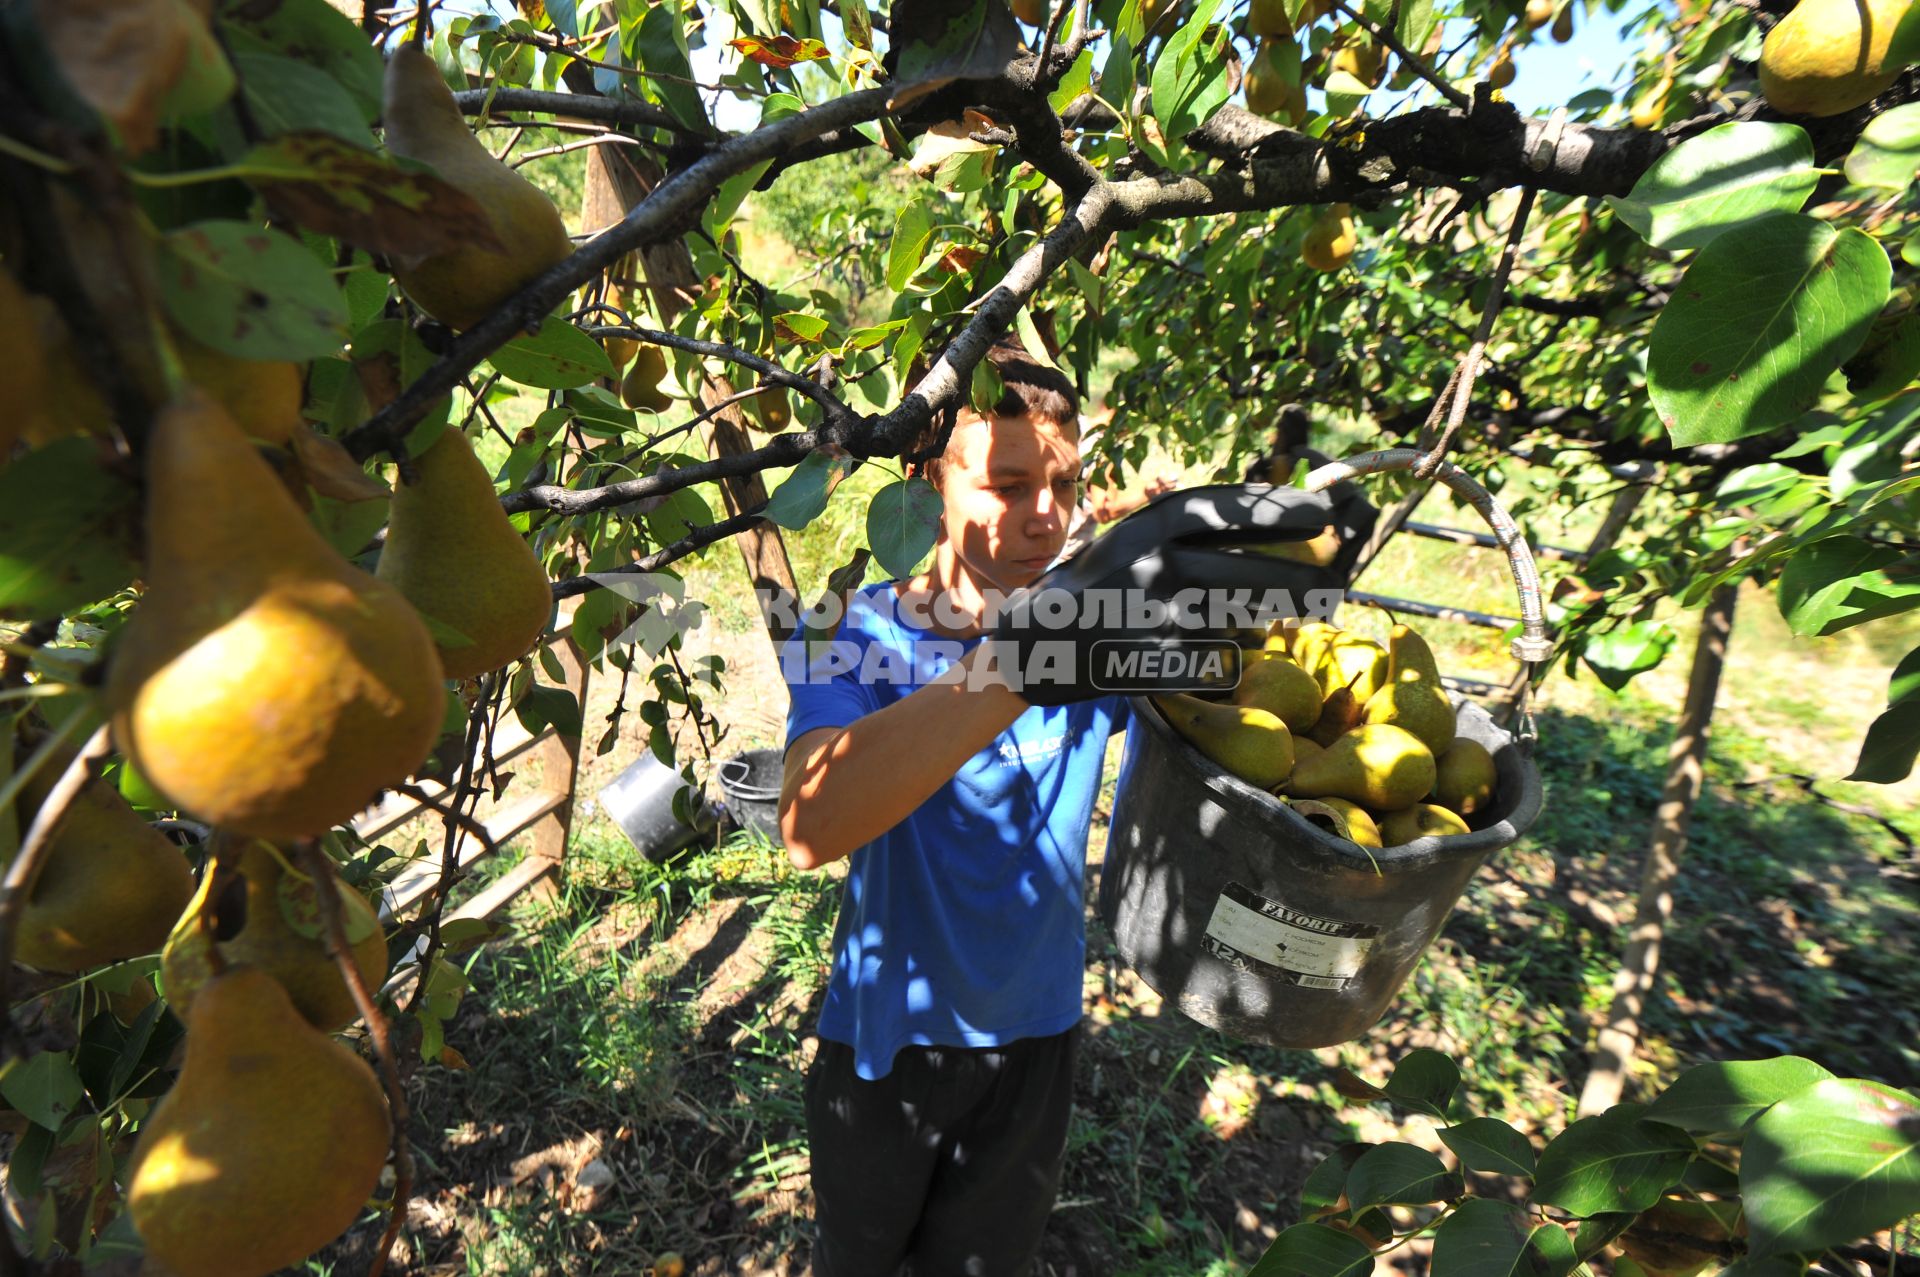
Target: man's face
x=1010 y=486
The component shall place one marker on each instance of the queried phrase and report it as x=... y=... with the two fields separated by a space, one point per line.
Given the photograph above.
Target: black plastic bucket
x=750 y=790
x=1252 y=920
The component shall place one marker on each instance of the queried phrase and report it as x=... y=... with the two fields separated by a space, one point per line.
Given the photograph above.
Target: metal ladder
x=1500 y=699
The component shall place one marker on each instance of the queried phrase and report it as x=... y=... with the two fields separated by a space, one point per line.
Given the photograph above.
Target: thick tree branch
x=623 y=112
x=675 y=204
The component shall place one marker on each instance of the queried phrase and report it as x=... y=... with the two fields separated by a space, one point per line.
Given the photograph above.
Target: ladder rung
x=510 y=742
x=1414 y=607
x=1486 y=540
x=416 y=881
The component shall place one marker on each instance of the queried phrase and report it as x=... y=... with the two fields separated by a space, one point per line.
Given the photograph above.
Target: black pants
x=948 y=1164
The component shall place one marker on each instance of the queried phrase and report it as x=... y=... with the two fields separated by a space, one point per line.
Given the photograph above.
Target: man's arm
x=845 y=786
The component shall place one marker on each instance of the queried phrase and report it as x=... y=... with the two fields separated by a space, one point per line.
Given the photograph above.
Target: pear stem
x=321 y=867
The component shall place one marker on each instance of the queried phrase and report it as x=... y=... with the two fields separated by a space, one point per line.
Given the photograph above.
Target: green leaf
x=937 y=43
x=69 y=531
x=1836 y=1162
x=315 y=33
x=1888 y=151
x=1617 y=656
x=543 y=707
x=558 y=357
x=1713 y=1098
x=1841 y=582
x=45 y=1087
x=1190 y=76
x=1485 y=1238
x=1892 y=744
x=1611 y=1162
x=1598 y=1230
x=1904 y=47
x=1489 y=1145
x=912 y=231
x=903 y=522
x=1758 y=324
x=251 y=292
x=285 y=96
x=1424 y=1079
x=682 y=512
x=1326 y=1185
x=1077 y=81
x=1314 y=1250
x=1726 y=178
x=661 y=47
x=1400 y=1175
x=803 y=325
x=802 y=496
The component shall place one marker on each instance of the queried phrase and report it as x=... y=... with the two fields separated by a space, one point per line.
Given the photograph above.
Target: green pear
x=1398 y=828
x=1251 y=743
x=1465 y=777
x=453 y=554
x=109 y=887
x=247 y=925
x=1309 y=641
x=460 y=286
x=1378 y=765
x=1421 y=707
x=1304 y=747
x=268 y=1145
x=1409 y=659
x=1346 y=820
x=1271 y=681
x=640 y=388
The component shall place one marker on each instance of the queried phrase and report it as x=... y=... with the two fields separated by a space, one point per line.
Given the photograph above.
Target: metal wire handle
x=1533 y=645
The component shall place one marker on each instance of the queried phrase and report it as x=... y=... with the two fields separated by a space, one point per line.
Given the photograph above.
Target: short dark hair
x=1029 y=388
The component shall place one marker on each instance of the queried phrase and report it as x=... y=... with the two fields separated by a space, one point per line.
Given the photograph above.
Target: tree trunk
x=617 y=179
x=1686 y=767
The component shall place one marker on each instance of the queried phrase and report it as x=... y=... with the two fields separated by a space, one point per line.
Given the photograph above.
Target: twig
x=1408 y=56
x=769 y=370
x=598 y=139
x=20 y=650
x=583 y=106
x=698 y=539
x=463 y=789
x=325 y=889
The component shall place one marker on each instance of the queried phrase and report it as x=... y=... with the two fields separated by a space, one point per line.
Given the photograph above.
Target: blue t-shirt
x=962 y=925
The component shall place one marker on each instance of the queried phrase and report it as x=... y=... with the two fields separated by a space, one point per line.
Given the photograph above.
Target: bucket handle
x=1532 y=645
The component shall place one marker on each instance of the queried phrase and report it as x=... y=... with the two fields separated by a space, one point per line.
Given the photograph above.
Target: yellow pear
x=1501 y=73
x=1251 y=743
x=454 y=555
x=246 y=925
x=264 y=684
x=1377 y=765
x=1409 y=658
x=1421 y=707
x=1269 y=18
x=1271 y=681
x=1353 y=662
x=268 y=1145
x=773 y=411
x=1347 y=820
x=1826 y=57
x=1465 y=777
x=49 y=394
x=463 y=285
x=1031 y=12
x=24 y=395
x=1309 y=641
x=262 y=396
x=110 y=886
x=640 y=388
x=1364 y=62
x=1652 y=106
x=1398 y=828
x=1330 y=241
x=1539 y=13
x=1266 y=86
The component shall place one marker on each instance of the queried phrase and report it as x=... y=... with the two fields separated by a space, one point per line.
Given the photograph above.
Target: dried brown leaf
x=329 y=185
x=122 y=56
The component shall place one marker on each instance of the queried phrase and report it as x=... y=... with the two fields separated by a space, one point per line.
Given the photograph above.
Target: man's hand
x=1173 y=577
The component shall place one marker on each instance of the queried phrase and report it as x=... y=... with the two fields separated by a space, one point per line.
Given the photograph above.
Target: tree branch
x=580 y=106
x=674 y=204
x=698 y=539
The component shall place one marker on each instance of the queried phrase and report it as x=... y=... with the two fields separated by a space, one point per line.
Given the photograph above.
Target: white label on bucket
x=1253 y=933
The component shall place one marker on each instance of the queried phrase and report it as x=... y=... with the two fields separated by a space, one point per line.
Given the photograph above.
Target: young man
x=938 y=1101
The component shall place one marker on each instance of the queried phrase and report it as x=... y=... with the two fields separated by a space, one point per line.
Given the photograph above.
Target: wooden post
x=559 y=756
x=617 y=179
x=1686 y=769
